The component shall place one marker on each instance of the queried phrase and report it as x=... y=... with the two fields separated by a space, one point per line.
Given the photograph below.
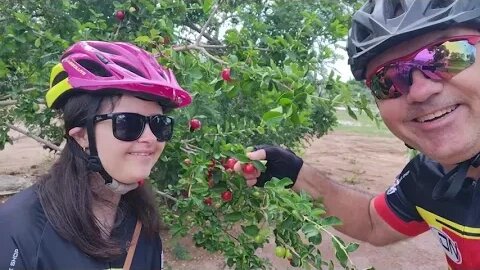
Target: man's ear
x=80 y=135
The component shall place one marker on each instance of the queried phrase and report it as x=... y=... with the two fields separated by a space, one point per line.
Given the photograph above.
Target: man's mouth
x=436 y=115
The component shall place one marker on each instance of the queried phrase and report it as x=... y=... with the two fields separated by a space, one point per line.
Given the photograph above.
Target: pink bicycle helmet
x=113 y=66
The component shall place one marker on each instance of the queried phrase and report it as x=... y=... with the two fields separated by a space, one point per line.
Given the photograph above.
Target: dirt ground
x=367 y=163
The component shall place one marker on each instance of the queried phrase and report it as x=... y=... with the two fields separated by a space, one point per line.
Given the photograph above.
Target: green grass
x=364 y=125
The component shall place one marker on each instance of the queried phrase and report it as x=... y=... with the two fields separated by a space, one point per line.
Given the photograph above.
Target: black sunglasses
x=130 y=126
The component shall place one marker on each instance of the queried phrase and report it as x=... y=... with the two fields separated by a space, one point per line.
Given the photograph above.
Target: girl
x=92 y=211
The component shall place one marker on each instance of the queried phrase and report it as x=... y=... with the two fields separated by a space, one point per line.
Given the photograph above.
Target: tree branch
x=35 y=137
x=198 y=48
x=212 y=14
x=197 y=29
x=213 y=57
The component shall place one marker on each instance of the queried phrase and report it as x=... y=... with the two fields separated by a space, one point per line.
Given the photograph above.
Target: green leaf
x=331 y=221
x=37 y=42
x=143 y=39
x=315 y=240
x=251 y=230
x=279 y=182
x=271 y=116
x=259 y=165
x=351 y=113
x=285 y=101
x=340 y=253
x=240 y=157
x=233 y=217
x=352 y=247
x=207 y=5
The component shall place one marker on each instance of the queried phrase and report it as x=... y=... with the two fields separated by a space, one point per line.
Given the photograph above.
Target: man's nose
x=422 y=87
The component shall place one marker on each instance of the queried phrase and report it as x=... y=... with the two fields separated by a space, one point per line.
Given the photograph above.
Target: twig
x=213 y=57
x=204 y=27
x=213 y=46
x=36 y=138
x=163 y=194
x=7 y=102
x=207 y=36
x=331 y=235
x=117 y=31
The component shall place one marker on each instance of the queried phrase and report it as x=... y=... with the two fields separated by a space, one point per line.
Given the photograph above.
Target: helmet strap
x=93 y=162
x=449 y=186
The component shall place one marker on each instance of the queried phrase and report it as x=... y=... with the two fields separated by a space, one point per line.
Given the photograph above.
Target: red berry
x=227 y=196
x=184 y=193
x=120 y=15
x=230 y=163
x=226 y=76
x=195 y=124
x=249 y=168
x=208 y=201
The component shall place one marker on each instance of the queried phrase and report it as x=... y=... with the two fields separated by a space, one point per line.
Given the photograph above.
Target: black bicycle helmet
x=381 y=24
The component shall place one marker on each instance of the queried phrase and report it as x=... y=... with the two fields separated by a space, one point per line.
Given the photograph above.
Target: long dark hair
x=66 y=192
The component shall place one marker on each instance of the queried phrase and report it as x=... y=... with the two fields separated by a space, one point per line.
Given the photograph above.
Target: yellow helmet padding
x=58 y=89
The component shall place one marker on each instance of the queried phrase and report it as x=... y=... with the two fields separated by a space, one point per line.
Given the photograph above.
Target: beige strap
x=133 y=245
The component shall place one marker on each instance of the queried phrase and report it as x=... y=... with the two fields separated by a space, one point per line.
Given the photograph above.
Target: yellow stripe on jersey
x=439 y=223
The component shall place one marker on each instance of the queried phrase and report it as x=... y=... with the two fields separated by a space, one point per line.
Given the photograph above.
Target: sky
x=341 y=65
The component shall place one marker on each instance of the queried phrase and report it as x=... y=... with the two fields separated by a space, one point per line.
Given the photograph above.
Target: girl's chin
x=132 y=179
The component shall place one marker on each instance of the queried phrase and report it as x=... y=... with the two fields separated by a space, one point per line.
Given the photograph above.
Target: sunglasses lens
x=128 y=126
x=388 y=84
x=440 y=62
x=162 y=127
x=456 y=56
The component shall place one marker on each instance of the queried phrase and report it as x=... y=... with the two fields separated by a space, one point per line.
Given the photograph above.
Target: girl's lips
x=140 y=153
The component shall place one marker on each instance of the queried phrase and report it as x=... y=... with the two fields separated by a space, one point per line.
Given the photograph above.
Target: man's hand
x=281 y=163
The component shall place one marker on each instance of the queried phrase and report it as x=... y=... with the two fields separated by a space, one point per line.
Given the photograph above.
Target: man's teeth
x=436 y=114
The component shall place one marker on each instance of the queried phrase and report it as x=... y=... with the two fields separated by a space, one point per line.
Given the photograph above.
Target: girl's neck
x=104 y=205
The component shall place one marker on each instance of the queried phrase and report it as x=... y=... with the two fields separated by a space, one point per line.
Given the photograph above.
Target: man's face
x=439 y=118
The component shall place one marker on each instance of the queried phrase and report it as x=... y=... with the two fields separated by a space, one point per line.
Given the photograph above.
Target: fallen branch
x=7 y=102
x=163 y=194
x=35 y=137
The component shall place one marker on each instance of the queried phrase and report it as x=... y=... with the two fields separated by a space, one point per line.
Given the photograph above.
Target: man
x=419 y=59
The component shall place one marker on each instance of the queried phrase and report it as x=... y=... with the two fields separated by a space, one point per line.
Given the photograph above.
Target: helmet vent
x=394 y=9
x=94 y=67
x=130 y=68
x=440 y=3
x=60 y=77
x=362 y=32
x=369 y=7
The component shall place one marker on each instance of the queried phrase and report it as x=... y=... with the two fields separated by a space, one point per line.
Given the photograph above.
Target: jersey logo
x=449 y=246
x=14 y=259
x=399 y=178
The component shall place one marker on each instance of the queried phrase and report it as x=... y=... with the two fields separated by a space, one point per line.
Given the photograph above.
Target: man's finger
x=251 y=183
x=257 y=155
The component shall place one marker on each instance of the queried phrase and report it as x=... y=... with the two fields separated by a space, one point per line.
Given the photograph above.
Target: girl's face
x=128 y=161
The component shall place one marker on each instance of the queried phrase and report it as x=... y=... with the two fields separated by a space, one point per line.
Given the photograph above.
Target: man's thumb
x=257 y=155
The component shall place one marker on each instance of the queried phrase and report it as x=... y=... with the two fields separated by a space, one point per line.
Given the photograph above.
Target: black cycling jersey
x=28 y=241
x=408 y=207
